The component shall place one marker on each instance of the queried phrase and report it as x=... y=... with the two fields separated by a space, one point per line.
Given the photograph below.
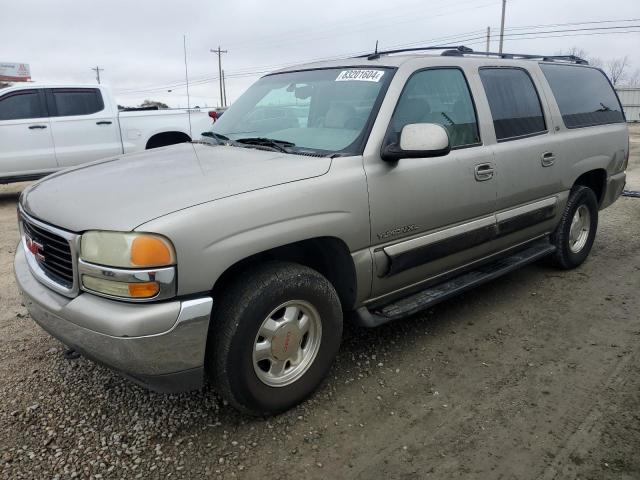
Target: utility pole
x=98 y=70
x=488 y=39
x=219 y=52
x=504 y=8
x=224 y=90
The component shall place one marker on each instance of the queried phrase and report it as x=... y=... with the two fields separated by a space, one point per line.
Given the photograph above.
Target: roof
x=455 y=54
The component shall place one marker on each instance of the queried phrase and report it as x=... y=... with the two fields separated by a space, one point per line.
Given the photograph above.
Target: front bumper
x=160 y=346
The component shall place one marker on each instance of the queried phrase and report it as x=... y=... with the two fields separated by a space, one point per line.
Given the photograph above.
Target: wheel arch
x=330 y=256
x=163 y=139
x=596 y=180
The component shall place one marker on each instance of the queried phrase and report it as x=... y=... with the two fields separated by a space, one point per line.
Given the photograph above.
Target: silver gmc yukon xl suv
x=361 y=190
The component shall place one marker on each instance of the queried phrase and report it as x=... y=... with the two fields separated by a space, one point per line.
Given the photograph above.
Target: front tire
x=574 y=235
x=274 y=334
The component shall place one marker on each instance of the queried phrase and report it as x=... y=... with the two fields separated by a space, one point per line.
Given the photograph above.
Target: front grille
x=51 y=251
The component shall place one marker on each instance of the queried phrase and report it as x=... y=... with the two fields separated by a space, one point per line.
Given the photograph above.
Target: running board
x=427 y=298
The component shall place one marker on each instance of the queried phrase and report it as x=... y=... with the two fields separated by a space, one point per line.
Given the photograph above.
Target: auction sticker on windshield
x=360 y=75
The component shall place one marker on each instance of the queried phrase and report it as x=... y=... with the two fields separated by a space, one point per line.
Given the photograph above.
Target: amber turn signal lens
x=148 y=251
x=143 y=290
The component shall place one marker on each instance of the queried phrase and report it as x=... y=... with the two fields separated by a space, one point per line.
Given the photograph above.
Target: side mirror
x=418 y=140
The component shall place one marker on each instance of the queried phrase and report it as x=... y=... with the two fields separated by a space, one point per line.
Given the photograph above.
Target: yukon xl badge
x=398 y=231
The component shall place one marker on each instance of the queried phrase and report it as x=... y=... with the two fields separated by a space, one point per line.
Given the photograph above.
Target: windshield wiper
x=219 y=139
x=279 y=145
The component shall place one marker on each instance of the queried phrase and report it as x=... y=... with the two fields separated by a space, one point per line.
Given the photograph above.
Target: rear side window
x=439 y=96
x=514 y=102
x=19 y=105
x=584 y=95
x=77 y=101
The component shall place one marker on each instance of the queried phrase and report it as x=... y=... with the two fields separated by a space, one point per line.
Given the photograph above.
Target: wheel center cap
x=285 y=342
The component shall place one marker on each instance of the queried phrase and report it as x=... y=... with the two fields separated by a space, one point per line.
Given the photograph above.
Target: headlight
x=127 y=250
x=134 y=266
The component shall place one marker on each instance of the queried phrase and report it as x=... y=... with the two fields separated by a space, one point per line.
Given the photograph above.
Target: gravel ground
x=533 y=376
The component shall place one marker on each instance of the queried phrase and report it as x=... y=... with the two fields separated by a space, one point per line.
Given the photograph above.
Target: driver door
x=431 y=215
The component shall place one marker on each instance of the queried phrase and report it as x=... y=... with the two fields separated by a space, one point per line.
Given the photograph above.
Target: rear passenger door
x=26 y=145
x=525 y=154
x=84 y=128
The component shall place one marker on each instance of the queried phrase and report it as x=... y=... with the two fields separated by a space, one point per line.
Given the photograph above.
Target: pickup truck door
x=84 y=127
x=431 y=215
x=26 y=144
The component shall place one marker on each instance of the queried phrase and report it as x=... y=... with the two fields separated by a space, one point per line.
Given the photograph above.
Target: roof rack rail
x=527 y=56
x=461 y=50
x=375 y=55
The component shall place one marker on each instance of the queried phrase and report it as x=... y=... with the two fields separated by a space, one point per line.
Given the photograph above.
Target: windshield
x=325 y=111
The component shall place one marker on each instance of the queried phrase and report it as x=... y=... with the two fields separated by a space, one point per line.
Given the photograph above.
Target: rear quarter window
x=77 y=101
x=584 y=95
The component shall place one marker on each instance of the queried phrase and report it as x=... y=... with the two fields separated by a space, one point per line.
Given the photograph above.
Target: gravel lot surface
x=533 y=376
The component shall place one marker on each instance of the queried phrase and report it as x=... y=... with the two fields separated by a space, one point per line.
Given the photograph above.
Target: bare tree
x=633 y=80
x=617 y=69
x=577 y=52
x=595 y=62
x=581 y=53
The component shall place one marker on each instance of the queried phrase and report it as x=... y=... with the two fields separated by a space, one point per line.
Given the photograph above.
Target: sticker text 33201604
x=360 y=75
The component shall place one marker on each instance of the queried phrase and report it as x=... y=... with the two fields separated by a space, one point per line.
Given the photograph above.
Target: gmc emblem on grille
x=36 y=248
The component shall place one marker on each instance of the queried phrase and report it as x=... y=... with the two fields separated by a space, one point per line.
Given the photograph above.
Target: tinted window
x=584 y=95
x=25 y=104
x=515 y=106
x=77 y=101
x=438 y=96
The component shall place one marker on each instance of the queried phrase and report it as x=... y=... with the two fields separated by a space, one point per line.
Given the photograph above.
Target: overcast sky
x=139 y=43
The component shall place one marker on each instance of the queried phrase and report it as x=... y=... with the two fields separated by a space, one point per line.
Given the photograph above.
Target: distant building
x=630 y=99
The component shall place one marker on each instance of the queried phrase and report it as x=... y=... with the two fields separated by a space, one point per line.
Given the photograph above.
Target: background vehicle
x=45 y=128
x=369 y=188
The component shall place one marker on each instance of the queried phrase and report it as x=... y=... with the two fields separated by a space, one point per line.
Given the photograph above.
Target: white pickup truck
x=45 y=128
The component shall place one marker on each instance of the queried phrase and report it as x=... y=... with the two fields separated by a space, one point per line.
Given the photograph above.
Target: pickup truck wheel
x=576 y=231
x=274 y=335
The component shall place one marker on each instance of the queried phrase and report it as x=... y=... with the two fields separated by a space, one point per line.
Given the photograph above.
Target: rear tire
x=274 y=334
x=574 y=236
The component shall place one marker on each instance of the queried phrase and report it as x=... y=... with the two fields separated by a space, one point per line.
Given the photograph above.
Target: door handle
x=548 y=159
x=37 y=127
x=104 y=122
x=483 y=172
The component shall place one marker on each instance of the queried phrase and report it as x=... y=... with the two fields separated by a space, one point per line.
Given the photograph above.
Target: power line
x=523 y=27
x=347 y=26
x=587 y=34
x=269 y=68
x=574 y=30
x=471 y=38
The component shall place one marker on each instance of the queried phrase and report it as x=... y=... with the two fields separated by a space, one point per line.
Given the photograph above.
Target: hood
x=122 y=193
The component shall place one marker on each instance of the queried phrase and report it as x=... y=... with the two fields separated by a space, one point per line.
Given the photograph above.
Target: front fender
x=211 y=237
